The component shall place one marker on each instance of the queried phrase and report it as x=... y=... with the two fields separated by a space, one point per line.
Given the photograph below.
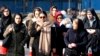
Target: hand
x=46 y=23
x=54 y=50
x=69 y=46
x=73 y=44
x=40 y=23
x=10 y=29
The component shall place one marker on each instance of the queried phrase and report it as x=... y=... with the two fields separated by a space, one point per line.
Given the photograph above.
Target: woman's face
x=59 y=18
x=54 y=10
x=75 y=24
x=17 y=19
x=42 y=17
x=6 y=12
x=89 y=15
x=37 y=13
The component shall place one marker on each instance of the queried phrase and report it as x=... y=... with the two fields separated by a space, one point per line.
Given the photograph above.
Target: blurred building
x=28 y=5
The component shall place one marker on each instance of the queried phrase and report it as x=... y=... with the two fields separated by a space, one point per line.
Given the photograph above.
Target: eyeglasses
x=42 y=17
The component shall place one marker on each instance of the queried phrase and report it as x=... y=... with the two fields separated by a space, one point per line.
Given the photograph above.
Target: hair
x=9 y=16
x=93 y=13
x=8 y=10
x=2 y=8
x=37 y=9
x=80 y=24
x=52 y=8
x=43 y=12
x=19 y=15
x=84 y=10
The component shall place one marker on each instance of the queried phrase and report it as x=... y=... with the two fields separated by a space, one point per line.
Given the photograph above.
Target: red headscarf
x=56 y=17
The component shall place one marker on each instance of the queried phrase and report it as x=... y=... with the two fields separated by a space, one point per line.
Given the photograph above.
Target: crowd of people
x=67 y=32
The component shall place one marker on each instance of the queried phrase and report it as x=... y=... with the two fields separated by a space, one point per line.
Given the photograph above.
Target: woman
x=27 y=18
x=75 y=39
x=52 y=14
x=92 y=20
x=18 y=35
x=82 y=15
x=41 y=31
x=57 y=36
x=36 y=13
x=92 y=24
x=6 y=19
x=59 y=18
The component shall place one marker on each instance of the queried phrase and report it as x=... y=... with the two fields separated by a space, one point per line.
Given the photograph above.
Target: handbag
x=7 y=40
x=70 y=52
x=3 y=50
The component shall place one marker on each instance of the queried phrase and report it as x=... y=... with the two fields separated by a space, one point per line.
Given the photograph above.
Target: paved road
x=26 y=49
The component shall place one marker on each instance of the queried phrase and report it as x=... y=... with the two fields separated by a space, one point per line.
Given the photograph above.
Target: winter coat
x=18 y=39
x=96 y=24
x=79 y=38
x=93 y=39
x=4 y=22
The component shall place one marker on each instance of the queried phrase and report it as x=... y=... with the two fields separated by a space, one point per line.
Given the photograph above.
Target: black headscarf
x=5 y=20
x=17 y=27
x=6 y=17
x=80 y=25
x=93 y=13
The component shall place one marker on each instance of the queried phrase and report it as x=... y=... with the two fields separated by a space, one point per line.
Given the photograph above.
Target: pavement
x=26 y=49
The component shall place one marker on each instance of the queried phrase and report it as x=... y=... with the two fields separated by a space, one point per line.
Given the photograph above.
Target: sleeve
x=66 y=37
x=33 y=32
x=84 y=40
x=26 y=37
x=98 y=34
x=6 y=32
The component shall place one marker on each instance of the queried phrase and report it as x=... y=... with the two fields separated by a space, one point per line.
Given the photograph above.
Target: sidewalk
x=26 y=49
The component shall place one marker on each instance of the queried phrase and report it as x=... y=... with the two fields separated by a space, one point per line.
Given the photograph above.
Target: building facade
x=28 y=5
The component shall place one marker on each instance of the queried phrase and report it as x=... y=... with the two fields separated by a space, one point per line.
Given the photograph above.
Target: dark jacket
x=93 y=39
x=80 y=38
x=18 y=38
x=36 y=35
x=96 y=24
x=4 y=22
x=57 y=39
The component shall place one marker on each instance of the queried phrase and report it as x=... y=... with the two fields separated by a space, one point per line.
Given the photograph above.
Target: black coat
x=93 y=39
x=80 y=38
x=96 y=24
x=4 y=22
x=36 y=34
x=18 y=39
x=57 y=39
